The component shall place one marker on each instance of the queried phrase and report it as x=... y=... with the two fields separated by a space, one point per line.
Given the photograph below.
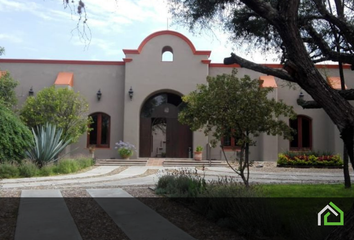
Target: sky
x=44 y=29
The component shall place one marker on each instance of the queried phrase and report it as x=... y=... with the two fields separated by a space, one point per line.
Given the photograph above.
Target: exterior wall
x=147 y=74
x=88 y=79
x=144 y=71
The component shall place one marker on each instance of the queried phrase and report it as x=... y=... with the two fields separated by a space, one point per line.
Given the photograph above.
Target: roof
x=268 y=81
x=65 y=78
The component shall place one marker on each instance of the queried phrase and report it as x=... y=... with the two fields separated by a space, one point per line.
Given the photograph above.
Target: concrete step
x=120 y=162
x=189 y=163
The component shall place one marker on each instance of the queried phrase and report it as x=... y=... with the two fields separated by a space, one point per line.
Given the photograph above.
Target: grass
x=307 y=190
x=28 y=168
x=264 y=211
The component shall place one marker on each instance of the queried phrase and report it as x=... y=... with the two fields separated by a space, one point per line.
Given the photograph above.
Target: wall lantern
x=30 y=92
x=131 y=92
x=99 y=95
x=301 y=95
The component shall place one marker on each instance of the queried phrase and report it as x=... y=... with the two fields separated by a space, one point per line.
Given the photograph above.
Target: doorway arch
x=160 y=112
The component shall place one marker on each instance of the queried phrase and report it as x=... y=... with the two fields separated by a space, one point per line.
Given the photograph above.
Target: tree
x=7 y=90
x=61 y=107
x=15 y=137
x=242 y=113
x=303 y=32
x=2 y=50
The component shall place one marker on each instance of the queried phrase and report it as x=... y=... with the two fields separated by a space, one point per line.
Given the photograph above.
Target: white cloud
x=11 y=38
x=109 y=48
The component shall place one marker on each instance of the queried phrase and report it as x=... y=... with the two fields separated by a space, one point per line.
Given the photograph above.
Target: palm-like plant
x=48 y=143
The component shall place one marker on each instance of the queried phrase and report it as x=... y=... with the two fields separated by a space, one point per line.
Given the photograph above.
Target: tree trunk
x=348 y=137
x=301 y=68
x=347 y=182
x=309 y=78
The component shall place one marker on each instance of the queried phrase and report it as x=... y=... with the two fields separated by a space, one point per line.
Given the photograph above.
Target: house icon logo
x=332 y=208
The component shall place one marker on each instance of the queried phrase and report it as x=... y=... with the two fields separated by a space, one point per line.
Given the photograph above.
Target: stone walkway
x=44 y=215
x=136 y=175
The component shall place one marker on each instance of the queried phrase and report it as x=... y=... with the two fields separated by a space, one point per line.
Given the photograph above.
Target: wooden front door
x=178 y=136
x=145 y=137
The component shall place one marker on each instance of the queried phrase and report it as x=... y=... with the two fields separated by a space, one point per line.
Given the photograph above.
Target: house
x=140 y=96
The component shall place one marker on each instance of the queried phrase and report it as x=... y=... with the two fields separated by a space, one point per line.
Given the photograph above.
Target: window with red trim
x=230 y=143
x=302 y=139
x=100 y=134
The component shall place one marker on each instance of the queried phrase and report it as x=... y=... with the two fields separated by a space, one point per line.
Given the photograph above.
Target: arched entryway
x=161 y=134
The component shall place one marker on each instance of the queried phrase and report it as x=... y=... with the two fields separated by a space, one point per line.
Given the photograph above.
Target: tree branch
x=258 y=68
x=346 y=94
x=264 y=9
x=326 y=50
x=345 y=28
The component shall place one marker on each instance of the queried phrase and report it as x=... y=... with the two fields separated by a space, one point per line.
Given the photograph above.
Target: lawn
x=307 y=190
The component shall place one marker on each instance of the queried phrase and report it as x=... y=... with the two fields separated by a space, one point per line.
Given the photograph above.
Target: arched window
x=167 y=54
x=100 y=134
x=302 y=139
x=229 y=142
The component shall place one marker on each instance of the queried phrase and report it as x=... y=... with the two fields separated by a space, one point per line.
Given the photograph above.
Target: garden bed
x=309 y=159
x=310 y=166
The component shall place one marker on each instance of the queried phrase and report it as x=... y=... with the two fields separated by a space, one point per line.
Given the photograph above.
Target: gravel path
x=94 y=223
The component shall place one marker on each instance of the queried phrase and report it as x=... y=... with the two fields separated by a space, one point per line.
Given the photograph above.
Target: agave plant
x=47 y=144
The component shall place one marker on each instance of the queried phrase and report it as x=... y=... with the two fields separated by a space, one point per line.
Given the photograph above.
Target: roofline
x=87 y=62
x=275 y=65
x=166 y=32
x=52 y=61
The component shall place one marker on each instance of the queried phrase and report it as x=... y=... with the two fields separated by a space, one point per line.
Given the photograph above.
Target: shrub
x=73 y=165
x=61 y=107
x=15 y=137
x=7 y=89
x=67 y=166
x=28 y=169
x=48 y=144
x=309 y=159
x=85 y=162
x=9 y=170
x=224 y=201
x=181 y=183
x=47 y=170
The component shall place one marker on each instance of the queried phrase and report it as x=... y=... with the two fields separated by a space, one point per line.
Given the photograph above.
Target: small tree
x=7 y=89
x=15 y=137
x=239 y=108
x=61 y=107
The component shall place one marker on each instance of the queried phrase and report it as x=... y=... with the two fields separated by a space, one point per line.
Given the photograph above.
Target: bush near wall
x=29 y=168
x=15 y=137
x=309 y=159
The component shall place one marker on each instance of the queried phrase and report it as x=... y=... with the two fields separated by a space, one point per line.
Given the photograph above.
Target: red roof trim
x=131 y=51
x=335 y=66
x=166 y=32
x=45 y=61
x=127 y=60
x=206 y=61
x=275 y=65
x=224 y=66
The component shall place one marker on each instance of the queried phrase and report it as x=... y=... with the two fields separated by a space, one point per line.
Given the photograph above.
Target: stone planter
x=127 y=157
x=198 y=156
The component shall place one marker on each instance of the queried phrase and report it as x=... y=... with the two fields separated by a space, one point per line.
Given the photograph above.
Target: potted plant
x=198 y=153
x=125 y=149
x=92 y=149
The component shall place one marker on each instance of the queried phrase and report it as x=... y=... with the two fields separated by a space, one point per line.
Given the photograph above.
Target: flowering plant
x=125 y=149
